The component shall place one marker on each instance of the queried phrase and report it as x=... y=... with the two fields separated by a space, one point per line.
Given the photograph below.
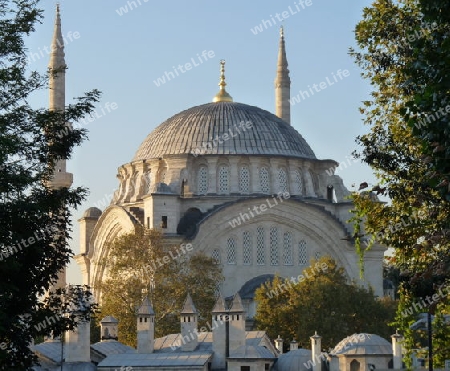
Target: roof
x=189 y=307
x=294 y=360
x=51 y=350
x=236 y=305
x=219 y=307
x=168 y=352
x=180 y=359
x=251 y=352
x=109 y=319
x=363 y=344
x=92 y=212
x=261 y=133
x=109 y=347
x=146 y=308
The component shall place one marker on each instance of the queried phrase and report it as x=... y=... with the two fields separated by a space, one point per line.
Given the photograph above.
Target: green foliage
x=139 y=264
x=404 y=52
x=34 y=219
x=323 y=301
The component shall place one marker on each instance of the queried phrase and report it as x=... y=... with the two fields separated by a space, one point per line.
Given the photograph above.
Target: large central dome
x=189 y=130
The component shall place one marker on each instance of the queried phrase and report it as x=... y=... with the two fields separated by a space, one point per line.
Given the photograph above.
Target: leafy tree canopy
x=324 y=301
x=140 y=264
x=34 y=218
x=403 y=50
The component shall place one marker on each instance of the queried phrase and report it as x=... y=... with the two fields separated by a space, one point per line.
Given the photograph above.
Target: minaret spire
x=57 y=81
x=222 y=95
x=57 y=67
x=282 y=83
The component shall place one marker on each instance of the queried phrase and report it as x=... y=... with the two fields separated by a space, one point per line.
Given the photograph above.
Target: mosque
x=241 y=185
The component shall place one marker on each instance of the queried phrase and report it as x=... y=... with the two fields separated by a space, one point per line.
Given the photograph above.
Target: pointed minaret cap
x=219 y=307
x=316 y=336
x=282 y=66
x=222 y=95
x=236 y=306
x=146 y=308
x=189 y=307
x=57 y=48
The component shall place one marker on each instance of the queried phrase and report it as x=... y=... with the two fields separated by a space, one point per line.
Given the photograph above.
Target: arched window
x=244 y=180
x=273 y=246
x=282 y=180
x=216 y=255
x=231 y=250
x=224 y=180
x=287 y=249
x=264 y=180
x=302 y=253
x=247 y=248
x=202 y=180
x=260 y=247
x=299 y=182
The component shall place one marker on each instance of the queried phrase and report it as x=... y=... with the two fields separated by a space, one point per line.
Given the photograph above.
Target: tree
x=321 y=300
x=404 y=52
x=140 y=264
x=34 y=218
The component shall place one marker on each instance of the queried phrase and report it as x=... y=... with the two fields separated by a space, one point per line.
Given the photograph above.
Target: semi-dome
x=363 y=344
x=219 y=125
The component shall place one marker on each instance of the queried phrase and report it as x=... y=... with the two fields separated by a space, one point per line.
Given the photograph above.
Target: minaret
x=57 y=69
x=58 y=64
x=282 y=84
x=189 y=332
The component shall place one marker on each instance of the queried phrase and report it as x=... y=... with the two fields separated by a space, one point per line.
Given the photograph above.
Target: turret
x=236 y=319
x=145 y=327
x=78 y=340
x=189 y=320
x=316 y=351
x=220 y=332
x=282 y=84
x=279 y=344
x=397 y=340
x=109 y=327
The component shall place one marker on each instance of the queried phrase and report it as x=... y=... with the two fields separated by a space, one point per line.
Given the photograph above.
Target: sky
x=125 y=48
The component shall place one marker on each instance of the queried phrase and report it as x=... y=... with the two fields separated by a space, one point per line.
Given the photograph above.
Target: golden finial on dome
x=222 y=95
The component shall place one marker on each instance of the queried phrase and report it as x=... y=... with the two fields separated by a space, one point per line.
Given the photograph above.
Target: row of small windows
x=224 y=180
x=273 y=258
x=244 y=180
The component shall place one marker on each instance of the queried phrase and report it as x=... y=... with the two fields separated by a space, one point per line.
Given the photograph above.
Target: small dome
x=218 y=125
x=92 y=212
x=363 y=344
x=294 y=360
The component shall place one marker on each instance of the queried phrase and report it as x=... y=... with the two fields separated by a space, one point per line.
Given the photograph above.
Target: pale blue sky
x=122 y=55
